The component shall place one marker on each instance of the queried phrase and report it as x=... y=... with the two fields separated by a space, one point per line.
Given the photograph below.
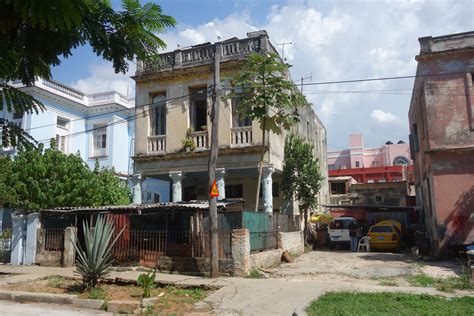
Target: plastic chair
x=364 y=242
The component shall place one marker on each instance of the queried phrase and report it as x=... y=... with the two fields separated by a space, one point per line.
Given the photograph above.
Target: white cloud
x=103 y=78
x=383 y=117
x=336 y=40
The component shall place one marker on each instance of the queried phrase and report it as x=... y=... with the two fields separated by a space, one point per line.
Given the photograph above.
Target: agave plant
x=94 y=262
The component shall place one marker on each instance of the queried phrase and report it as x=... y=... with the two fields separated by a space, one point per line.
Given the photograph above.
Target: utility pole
x=303 y=79
x=214 y=233
x=283 y=49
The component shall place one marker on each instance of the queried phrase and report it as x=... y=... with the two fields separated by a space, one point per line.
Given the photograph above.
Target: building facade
x=173 y=128
x=97 y=126
x=442 y=138
x=358 y=156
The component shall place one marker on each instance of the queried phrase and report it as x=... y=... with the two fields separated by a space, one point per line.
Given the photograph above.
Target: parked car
x=386 y=235
x=339 y=231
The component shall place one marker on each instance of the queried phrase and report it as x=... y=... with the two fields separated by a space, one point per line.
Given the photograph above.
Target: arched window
x=400 y=160
x=158 y=118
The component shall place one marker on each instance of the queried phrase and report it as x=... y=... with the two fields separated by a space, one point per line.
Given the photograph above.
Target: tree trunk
x=305 y=232
x=260 y=168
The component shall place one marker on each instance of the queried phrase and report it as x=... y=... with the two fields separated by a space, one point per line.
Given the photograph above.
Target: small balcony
x=241 y=136
x=157 y=144
x=200 y=140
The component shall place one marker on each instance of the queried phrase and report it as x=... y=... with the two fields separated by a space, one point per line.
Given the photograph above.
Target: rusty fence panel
x=53 y=239
x=260 y=241
x=139 y=246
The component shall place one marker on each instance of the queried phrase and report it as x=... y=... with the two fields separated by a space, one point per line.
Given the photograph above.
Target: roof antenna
x=283 y=49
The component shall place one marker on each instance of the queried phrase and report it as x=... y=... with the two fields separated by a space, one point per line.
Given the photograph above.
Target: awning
x=322 y=218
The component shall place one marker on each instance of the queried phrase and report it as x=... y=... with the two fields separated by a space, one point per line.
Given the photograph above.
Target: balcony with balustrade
x=157 y=144
x=89 y=100
x=231 y=49
x=241 y=136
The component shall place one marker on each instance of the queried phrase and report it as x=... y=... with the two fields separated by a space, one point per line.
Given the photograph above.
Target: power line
x=381 y=78
x=128 y=119
x=303 y=84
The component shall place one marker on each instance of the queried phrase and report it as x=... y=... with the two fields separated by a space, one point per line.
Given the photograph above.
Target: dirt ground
x=346 y=265
x=170 y=299
x=363 y=265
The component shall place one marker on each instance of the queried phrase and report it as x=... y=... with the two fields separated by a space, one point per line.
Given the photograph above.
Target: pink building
x=442 y=138
x=357 y=156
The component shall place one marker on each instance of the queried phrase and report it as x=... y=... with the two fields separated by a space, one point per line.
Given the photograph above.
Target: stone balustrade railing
x=156 y=144
x=241 y=136
x=200 y=140
x=63 y=88
x=204 y=54
x=76 y=95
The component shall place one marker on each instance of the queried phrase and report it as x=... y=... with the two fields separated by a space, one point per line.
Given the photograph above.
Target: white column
x=267 y=188
x=177 y=192
x=33 y=224
x=18 y=238
x=220 y=174
x=137 y=189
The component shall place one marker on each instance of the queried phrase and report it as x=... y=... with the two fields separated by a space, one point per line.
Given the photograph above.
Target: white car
x=339 y=232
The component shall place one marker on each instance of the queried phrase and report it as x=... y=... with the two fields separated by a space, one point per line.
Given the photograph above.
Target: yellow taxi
x=385 y=235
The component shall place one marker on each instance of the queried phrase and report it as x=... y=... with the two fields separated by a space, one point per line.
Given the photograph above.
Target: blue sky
x=332 y=40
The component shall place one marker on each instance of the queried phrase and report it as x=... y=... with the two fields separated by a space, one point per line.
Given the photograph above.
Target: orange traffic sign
x=214 y=191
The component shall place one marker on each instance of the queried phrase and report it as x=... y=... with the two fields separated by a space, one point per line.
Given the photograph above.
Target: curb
x=60 y=299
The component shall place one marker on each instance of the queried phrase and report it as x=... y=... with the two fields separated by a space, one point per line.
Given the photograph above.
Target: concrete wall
x=241 y=251
x=65 y=258
x=191 y=265
x=291 y=242
x=391 y=193
x=442 y=126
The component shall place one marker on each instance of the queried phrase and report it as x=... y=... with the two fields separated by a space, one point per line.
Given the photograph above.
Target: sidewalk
x=12 y=274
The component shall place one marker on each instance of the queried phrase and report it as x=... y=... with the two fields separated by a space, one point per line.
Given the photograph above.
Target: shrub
x=147 y=282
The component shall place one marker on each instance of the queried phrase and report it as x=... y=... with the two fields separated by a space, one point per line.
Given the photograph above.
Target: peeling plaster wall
x=442 y=114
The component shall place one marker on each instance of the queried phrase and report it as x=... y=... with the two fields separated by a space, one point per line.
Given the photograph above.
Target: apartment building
x=172 y=129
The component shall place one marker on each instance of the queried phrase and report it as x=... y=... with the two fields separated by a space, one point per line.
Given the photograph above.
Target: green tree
x=35 y=34
x=7 y=194
x=48 y=178
x=266 y=94
x=301 y=177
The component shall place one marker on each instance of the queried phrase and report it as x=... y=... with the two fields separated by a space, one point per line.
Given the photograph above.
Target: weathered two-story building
x=172 y=134
x=442 y=138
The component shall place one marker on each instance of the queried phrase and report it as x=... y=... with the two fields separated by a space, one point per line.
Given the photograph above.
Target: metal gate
x=5 y=245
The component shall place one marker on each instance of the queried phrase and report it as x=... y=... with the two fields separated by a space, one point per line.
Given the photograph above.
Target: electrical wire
x=224 y=88
x=126 y=120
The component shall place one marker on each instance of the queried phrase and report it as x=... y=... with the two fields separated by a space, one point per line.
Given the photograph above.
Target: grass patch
x=450 y=284
x=171 y=300
x=96 y=294
x=421 y=279
x=195 y=293
x=388 y=282
x=178 y=301
x=350 y=303
x=254 y=274
x=55 y=281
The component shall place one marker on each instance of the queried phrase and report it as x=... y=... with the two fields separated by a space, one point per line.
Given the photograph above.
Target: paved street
x=292 y=286
x=288 y=289
x=13 y=309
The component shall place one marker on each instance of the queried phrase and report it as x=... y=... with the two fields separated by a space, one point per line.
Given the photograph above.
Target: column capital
x=136 y=176
x=268 y=170
x=176 y=175
x=220 y=172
